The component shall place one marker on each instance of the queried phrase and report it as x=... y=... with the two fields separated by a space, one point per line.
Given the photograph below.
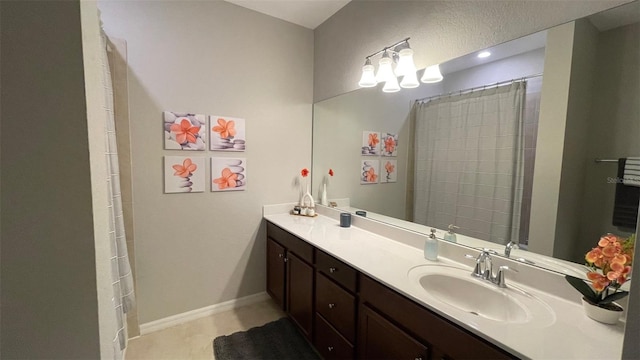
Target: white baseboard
x=182 y=318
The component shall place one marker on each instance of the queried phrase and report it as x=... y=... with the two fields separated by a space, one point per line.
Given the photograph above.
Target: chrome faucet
x=510 y=246
x=484 y=269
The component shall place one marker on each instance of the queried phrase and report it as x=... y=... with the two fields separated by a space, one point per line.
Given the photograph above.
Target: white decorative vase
x=323 y=196
x=307 y=199
x=601 y=314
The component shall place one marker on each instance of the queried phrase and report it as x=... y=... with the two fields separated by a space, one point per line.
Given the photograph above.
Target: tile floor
x=194 y=340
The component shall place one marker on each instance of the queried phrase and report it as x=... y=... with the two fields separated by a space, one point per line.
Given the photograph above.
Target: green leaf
x=583 y=288
x=613 y=297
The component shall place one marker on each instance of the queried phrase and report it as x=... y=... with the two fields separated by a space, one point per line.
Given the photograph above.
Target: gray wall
x=49 y=301
x=214 y=58
x=439 y=31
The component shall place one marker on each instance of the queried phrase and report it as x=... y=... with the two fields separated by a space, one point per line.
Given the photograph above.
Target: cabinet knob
x=332 y=270
x=418 y=358
x=285 y=259
x=332 y=305
x=280 y=255
x=330 y=348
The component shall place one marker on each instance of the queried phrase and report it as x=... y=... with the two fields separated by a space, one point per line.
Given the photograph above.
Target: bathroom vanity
x=355 y=294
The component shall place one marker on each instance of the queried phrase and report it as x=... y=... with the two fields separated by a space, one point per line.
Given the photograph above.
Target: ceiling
x=307 y=13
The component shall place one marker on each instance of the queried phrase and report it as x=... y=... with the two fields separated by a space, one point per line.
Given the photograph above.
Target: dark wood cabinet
x=276 y=272
x=300 y=293
x=381 y=339
x=290 y=276
x=348 y=315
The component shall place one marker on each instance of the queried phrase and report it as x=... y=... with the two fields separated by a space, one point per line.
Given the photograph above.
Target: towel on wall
x=625 y=207
x=631 y=175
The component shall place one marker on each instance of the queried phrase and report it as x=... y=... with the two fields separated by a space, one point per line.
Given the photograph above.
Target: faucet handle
x=477 y=270
x=499 y=280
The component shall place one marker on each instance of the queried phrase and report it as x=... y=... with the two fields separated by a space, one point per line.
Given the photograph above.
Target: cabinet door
x=380 y=339
x=300 y=292
x=276 y=272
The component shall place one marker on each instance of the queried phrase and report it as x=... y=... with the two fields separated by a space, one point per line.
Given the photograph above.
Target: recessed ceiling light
x=484 y=54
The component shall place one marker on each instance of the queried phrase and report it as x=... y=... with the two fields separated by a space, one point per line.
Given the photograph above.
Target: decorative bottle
x=451 y=235
x=323 y=196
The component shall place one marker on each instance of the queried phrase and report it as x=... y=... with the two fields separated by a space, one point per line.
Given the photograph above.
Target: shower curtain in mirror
x=122 y=279
x=470 y=161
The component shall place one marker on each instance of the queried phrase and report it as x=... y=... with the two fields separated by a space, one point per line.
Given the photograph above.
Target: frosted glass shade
x=368 y=78
x=385 y=72
x=410 y=81
x=432 y=74
x=405 y=62
x=391 y=85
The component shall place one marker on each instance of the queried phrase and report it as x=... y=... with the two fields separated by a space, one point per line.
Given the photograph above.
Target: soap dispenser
x=451 y=235
x=431 y=246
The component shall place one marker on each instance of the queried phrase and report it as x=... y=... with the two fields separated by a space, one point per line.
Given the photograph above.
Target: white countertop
x=570 y=335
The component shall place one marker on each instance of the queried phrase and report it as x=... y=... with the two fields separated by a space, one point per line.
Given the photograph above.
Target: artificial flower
x=330 y=172
x=185 y=131
x=186 y=169
x=227 y=180
x=304 y=172
x=610 y=267
x=226 y=129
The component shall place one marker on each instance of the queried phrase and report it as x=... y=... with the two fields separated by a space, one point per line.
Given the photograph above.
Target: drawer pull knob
x=332 y=270
x=280 y=255
x=332 y=305
x=330 y=348
x=285 y=259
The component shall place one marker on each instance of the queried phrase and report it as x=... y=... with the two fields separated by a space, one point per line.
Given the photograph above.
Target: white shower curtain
x=470 y=161
x=122 y=279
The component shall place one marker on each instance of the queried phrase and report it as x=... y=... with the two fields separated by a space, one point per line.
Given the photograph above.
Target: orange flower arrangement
x=304 y=172
x=610 y=266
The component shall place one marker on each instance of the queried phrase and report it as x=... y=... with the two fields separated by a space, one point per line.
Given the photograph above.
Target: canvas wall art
x=227 y=133
x=228 y=174
x=183 y=131
x=369 y=173
x=389 y=173
x=370 y=143
x=184 y=174
x=389 y=144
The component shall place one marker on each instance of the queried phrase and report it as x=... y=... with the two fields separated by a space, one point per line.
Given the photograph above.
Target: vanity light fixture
x=399 y=53
x=484 y=54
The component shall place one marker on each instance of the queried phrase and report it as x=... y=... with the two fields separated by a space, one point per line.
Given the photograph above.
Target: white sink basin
x=456 y=288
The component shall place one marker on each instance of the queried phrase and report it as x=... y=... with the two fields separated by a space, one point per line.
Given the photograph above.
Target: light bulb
x=391 y=85
x=385 y=72
x=432 y=74
x=368 y=78
x=410 y=81
x=405 y=62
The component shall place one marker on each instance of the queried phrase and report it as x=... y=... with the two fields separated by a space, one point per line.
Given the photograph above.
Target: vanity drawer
x=336 y=305
x=301 y=248
x=329 y=343
x=336 y=270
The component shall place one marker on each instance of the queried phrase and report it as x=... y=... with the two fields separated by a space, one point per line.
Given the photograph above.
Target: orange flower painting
x=184 y=174
x=369 y=170
x=184 y=131
x=373 y=139
x=390 y=170
x=228 y=174
x=370 y=143
x=390 y=144
x=227 y=134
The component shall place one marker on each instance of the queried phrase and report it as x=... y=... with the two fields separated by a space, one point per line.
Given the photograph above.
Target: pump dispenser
x=451 y=235
x=431 y=246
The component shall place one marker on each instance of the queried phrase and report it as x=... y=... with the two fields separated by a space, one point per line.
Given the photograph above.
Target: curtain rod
x=470 y=90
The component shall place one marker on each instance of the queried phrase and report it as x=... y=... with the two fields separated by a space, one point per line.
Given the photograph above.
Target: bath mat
x=278 y=340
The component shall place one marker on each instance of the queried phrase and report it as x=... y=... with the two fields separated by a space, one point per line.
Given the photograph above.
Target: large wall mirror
x=522 y=146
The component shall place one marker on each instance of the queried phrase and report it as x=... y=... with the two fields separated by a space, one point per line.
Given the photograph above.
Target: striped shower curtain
x=123 y=297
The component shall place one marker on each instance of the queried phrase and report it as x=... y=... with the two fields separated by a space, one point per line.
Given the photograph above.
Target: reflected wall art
x=227 y=133
x=370 y=143
x=389 y=172
x=228 y=174
x=184 y=131
x=369 y=171
x=184 y=174
x=389 y=144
